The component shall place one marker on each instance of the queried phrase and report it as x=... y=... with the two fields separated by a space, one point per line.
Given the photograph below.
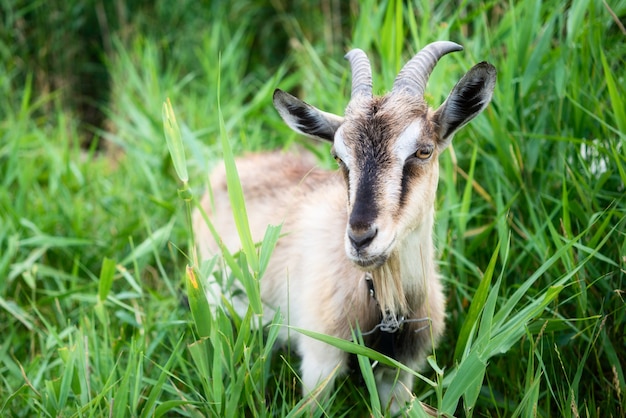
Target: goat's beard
x=390 y=293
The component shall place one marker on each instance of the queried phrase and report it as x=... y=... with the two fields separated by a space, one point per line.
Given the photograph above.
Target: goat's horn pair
x=412 y=78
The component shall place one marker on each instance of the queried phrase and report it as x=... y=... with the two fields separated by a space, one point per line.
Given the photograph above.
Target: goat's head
x=387 y=147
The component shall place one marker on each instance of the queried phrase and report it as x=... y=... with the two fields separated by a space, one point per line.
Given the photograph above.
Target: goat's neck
x=400 y=283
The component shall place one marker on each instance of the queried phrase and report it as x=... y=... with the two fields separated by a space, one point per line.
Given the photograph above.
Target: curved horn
x=361 y=73
x=414 y=75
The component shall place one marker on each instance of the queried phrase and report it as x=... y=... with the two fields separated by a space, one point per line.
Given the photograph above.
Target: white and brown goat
x=357 y=246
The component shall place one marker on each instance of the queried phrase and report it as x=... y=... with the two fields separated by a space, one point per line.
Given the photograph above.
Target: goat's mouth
x=367 y=259
x=370 y=262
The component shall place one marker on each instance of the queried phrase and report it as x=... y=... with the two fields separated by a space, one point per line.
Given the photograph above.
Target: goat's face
x=387 y=151
x=387 y=147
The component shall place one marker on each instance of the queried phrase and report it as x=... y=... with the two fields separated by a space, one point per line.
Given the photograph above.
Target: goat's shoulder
x=275 y=184
x=271 y=175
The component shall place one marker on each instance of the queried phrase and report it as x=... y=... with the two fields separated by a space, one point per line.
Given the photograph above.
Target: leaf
x=174 y=141
x=17 y=312
x=353 y=348
x=107 y=272
x=575 y=16
x=198 y=302
x=476 y=307
x=235 y=192
x=367 y=373
x=469 y=374
x=272 y=233
x=157 y=386
x=167 y=406
x=619 y=106
x=156 y=239
x=200 y=357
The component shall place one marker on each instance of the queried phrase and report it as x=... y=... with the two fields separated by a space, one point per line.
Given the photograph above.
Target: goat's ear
x=304 y=118
x=466 y=100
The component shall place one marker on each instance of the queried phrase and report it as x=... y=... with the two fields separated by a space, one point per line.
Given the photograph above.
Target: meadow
x=101 y=305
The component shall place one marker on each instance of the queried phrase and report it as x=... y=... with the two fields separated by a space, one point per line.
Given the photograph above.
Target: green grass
x=101 y=304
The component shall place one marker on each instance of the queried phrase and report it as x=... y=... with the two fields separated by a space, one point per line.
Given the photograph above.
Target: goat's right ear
x=304 y=118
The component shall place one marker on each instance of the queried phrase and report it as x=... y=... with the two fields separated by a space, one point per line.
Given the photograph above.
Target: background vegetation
x=94 y=239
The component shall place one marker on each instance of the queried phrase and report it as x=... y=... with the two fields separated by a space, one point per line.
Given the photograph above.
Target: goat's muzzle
x=360 y=238
x=366 y=247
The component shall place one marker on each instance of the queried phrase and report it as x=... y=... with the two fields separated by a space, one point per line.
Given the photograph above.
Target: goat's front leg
x=321 y=364
x=394 y=388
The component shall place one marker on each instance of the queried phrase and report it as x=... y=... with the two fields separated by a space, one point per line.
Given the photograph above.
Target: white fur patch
x=341 y=150
x=406 y=143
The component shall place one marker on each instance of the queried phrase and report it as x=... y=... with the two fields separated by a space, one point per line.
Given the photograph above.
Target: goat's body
x=313 y=291
x=371 y=219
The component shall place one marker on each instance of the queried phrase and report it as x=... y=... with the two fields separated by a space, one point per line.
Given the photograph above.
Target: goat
x=357 y=249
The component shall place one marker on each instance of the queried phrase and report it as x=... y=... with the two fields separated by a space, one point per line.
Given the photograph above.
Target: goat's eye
x=424 y=153
x=339 y=160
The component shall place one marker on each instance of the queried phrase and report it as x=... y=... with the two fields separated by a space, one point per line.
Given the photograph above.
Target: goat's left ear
x=468 y=98
x=304 y=118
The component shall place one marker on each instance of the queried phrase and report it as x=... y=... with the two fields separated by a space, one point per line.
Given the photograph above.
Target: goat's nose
x=361 y=238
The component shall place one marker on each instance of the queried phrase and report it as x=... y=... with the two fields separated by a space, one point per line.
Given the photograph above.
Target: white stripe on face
x=340 y=148
x=406 y=144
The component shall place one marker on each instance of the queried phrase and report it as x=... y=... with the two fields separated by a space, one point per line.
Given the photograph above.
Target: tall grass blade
x=354 y=348
x=477 y=306
x=122 y=391
x=67 y=379
x=467 y=377
x=617 y=103
x=367 y=373
x=17 y=312
x=105 y=283
x=159 y=385
x=267 y=247
x=200 y=355
x=174 y=141
x=155 y=240
x=235 y=193
x=198 y=303
x=575 y=17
